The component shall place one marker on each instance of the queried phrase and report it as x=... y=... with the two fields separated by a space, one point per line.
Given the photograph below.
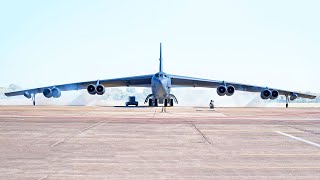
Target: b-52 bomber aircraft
x=161 y=84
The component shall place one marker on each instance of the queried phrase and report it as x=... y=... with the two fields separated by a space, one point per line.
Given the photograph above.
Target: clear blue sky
x=270 y=43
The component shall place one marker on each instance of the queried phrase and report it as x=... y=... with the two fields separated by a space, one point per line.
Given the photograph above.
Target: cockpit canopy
x=161 y=75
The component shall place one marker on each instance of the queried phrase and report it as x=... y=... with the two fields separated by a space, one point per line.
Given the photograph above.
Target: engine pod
x=27 y=94
x=92 y=89
x=265 y=94
x=47 y=93
x=221 y=90
x=56 y=92
x=293 y=96
x=230 y=90
x=100 y=89
x=274 y=94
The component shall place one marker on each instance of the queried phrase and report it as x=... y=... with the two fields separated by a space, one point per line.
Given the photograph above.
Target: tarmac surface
x=78 y=142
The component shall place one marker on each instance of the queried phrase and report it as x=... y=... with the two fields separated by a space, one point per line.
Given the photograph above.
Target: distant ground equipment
x=132 y=101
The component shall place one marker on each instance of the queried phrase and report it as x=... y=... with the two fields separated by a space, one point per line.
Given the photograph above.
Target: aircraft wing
x=182 y=81
x=134 y=81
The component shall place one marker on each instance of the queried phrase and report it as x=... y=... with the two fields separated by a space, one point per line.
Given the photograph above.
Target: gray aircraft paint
x=161 y=84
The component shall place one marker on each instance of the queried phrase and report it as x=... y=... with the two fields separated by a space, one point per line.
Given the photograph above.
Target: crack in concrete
x=204 y=137
x=73 y=135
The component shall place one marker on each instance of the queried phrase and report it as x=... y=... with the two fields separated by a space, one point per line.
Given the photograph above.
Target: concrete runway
x=59 y=142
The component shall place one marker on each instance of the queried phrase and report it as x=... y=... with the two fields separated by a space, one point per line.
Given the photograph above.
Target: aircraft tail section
x=160 y=59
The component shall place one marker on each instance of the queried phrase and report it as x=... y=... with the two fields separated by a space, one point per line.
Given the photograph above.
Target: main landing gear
x=155 y=102
x=166 y=103
x=152 y=102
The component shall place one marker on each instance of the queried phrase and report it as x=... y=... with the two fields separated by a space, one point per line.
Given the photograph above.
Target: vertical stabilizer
x=160 y=59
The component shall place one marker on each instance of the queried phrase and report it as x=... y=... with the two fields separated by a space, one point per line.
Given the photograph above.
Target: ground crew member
x=211 y=105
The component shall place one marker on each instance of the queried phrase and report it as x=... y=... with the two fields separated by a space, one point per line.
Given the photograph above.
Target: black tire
x=171 y=102
x=156 y=102
x=165 y=102
x=150 y=102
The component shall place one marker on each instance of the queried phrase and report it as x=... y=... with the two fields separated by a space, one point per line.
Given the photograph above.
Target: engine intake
x=274 y=94
x=47 y=93
x=92 y=89
x=265 y=94
x=56 y=92
x=222 y=90
x=230 y=90
x=293 y=96
x=100 y=89
x=27 y=94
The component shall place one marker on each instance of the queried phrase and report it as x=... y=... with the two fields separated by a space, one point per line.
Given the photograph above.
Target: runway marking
x=71 y=136
x=204 y=137
x=299 y=139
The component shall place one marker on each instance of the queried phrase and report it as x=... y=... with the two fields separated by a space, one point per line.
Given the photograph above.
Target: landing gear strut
x=287 y=101
x=33 y=98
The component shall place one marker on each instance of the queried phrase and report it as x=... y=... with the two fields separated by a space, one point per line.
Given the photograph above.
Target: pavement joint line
x=47 y=176
x=204 y=137
x=71 y=136
x=299 y=139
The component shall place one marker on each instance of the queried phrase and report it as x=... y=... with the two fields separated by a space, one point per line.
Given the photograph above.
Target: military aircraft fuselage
x=160 y=85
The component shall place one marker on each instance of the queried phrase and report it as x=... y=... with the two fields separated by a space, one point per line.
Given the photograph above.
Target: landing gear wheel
x=150 y=102
x=165 y=102
x=156 y=102
x=171 y=102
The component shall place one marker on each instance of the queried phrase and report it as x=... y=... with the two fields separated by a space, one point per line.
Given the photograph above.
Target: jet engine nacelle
x=265 y=94
x=100 y=89
x=222 y=90
x=230 y=90
x=56 y=92
x=274 y=94
x=92 y=89
x=27 y=94
x=293 y=97
x=47 y=92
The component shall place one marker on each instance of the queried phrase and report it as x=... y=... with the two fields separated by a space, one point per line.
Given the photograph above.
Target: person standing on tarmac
x=211 y=105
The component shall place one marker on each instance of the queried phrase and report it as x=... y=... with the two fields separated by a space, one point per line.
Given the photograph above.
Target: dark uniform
x=211 y=105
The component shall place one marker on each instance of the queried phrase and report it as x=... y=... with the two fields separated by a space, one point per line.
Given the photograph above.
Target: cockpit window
x=161 y=75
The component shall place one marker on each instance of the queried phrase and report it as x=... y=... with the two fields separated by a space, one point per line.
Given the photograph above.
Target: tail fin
x=160 y=59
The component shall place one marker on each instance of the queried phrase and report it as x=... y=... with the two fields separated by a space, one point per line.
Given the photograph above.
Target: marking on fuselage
x=299 y=139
